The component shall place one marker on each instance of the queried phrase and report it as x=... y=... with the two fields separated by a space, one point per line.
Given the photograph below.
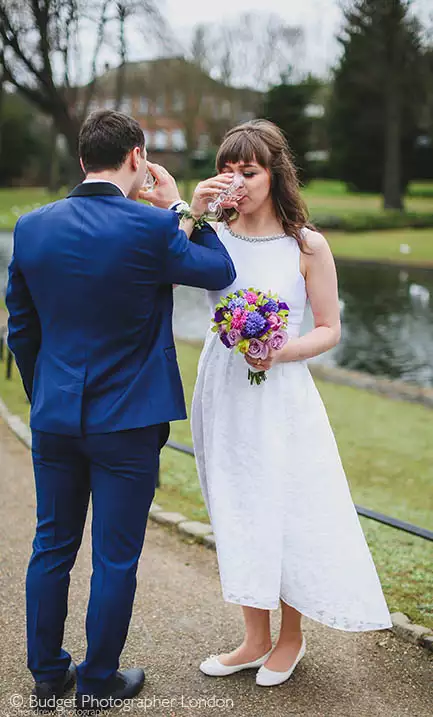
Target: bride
x=286 y=530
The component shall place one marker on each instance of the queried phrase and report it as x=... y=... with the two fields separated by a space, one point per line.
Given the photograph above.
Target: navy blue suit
x=90 y=302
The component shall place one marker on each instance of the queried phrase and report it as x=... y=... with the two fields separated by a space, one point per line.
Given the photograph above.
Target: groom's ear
x=135 y=158
x=82 y=166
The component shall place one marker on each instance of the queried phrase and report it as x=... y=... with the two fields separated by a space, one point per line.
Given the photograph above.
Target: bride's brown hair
x=262 y=141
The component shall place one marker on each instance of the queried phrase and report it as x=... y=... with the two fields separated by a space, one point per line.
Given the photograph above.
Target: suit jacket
x=90 y=301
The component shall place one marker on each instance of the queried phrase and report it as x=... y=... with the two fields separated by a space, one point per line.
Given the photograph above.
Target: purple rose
x=282 y=306
x=258 y=349
x=219 y=316
x=224 y=339
x=233 y=337
x=278 y=340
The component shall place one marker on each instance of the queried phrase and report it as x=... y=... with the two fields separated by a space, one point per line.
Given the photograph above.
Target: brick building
x=183 y=111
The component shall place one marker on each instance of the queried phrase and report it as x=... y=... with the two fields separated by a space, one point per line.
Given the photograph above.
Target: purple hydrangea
x=271 y=306
x=237 y=303
x=265 y=329
x=255 y=325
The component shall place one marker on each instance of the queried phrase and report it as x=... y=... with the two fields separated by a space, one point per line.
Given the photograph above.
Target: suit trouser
x=119 y=470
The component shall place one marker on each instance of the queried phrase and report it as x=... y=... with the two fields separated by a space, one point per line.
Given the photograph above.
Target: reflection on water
x=387 y=317
x=387 y=321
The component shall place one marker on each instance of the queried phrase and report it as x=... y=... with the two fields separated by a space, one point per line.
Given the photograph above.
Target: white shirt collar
x=107 y=181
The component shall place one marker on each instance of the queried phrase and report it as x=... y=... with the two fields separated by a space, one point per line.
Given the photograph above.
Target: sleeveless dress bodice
x=272 y=264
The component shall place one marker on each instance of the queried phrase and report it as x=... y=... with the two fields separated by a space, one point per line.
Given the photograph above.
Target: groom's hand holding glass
x=165 y=192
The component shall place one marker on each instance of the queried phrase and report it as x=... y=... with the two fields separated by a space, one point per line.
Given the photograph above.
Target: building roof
x=165 y=74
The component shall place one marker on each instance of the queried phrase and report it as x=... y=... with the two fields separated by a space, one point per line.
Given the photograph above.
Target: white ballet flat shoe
x=214 y=668
x=269 y=678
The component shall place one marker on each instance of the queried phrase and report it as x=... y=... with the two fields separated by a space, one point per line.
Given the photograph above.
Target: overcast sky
x=318 y=18
x=320 y=21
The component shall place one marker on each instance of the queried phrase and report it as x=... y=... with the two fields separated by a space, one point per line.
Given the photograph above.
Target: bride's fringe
x=263 y=142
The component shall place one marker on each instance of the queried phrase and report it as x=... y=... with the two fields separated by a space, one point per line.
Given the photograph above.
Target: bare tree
x=124 y=12
x=43 y=50
x=200 y=46
x=255 y=50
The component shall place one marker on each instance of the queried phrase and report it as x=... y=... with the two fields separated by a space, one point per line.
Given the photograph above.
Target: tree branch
x=100 y=34
x=32 y=94
x=10 y=38
x=40 y=13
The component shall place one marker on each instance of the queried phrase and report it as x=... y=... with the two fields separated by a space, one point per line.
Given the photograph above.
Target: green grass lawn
x=332 y=197
x=14 y=202
x=384 y=245
x=387 y=451
x=324 y=197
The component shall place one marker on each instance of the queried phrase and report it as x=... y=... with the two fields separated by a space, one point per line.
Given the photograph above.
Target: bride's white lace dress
x=284 y=521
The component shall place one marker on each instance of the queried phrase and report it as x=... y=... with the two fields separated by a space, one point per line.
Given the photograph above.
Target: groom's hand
x=165 y=191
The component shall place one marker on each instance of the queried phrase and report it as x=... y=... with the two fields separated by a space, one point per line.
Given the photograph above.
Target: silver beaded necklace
x=273 y=237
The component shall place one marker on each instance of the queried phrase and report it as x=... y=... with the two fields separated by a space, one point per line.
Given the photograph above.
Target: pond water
x=387 y=316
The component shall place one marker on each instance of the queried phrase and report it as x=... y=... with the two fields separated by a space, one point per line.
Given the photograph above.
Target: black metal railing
x=365 y=512
x=5 y=353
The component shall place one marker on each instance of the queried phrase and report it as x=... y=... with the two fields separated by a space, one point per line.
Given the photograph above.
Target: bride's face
x=257 y=187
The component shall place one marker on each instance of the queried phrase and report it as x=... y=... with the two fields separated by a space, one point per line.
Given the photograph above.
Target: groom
x=90 y=302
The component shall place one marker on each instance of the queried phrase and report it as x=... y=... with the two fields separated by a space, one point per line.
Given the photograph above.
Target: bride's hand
x=263 y=364
x=284 y=355
x=207 y=191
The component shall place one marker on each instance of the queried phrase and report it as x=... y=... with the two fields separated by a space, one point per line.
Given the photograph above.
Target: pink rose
x=278 y=340
x=258 y=349
x=275 y=321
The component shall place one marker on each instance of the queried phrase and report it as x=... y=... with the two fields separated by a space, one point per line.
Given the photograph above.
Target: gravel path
x=180 y=617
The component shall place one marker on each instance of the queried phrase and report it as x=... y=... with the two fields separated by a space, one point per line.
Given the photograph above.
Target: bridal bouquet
x=252 y=322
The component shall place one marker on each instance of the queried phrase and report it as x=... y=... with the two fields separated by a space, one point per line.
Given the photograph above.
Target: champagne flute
x=149 y=181
x=232 y=192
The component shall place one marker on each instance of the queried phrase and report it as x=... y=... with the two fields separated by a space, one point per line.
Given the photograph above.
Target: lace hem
x=320 y=616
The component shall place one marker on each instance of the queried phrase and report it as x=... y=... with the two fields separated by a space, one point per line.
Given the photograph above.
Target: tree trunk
x=53 y=176
x=69 y=127
x=392 y=184
x=121 y=71
x=392 y=194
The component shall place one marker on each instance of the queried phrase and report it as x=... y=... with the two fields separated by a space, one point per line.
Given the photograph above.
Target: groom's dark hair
x=106 y=137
